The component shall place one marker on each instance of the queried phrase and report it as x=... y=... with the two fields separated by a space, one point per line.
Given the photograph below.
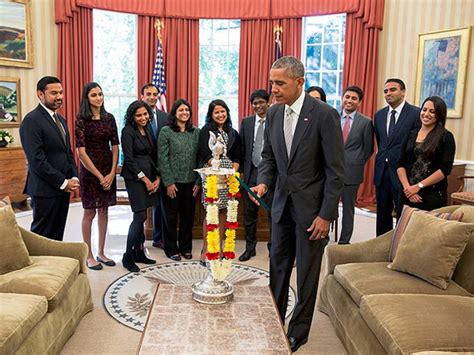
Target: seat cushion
x=431 y=248
x=18 y=316
x=48 y=276
x=362 y=279
x=404 y=324
x=13 y=253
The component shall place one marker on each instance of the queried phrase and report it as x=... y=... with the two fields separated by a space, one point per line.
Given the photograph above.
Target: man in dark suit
x=391 y=125
x=251 y=135
x=52 y=172
x=304 y=150
x=358 y=136
x=150 y=94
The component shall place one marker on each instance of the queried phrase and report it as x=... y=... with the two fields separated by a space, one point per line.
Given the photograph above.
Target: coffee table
x=249 y=324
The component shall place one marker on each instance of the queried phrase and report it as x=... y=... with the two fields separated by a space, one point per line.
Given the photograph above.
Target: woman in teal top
x=177 y=158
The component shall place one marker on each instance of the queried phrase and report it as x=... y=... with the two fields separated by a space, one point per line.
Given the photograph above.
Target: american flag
x=159 y=77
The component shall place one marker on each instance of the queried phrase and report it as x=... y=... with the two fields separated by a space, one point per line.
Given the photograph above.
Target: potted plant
x=5 y=138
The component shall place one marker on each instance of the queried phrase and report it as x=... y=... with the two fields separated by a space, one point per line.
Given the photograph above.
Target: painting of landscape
x=15 y=43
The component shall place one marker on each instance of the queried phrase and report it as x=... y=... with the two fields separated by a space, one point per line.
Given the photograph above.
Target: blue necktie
x=153 y=125
x=391 y=126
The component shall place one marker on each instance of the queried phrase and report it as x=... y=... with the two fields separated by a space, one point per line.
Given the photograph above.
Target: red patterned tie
x=346 y=128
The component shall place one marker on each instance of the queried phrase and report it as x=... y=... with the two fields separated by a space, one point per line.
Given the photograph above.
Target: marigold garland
x=221 y=267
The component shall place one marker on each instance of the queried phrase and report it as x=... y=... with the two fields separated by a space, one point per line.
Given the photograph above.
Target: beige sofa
x=41 y=304
x=376 y=310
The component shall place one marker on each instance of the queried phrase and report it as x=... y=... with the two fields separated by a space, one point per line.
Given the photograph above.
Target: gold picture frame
x=10 y=102
x=441 y=67
x=16 y=46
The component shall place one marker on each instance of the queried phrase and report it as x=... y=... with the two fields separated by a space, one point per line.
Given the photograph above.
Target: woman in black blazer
x=141 y=178
x=218 y=121
x=426 y=159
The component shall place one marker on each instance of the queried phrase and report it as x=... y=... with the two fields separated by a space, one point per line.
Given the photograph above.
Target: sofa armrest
x=374 y=250
x=38 y=245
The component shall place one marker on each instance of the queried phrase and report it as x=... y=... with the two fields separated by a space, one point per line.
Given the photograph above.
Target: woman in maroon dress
x=97 y=145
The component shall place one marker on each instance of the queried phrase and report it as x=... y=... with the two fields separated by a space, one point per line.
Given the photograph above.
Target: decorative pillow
x=13 y=252
x=431 y=247
x=405 y=216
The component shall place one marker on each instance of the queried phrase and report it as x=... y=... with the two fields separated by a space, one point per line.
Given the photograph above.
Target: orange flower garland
x=221 y=267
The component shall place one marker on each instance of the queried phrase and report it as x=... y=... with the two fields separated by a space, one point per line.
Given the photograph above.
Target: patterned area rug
x=128 y=299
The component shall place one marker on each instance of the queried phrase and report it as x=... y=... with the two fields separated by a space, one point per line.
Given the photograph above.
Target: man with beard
x=52 y=172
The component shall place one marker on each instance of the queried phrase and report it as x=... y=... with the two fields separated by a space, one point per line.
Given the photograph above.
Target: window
x=219 y=65
x=323 y=54
x=115 y=61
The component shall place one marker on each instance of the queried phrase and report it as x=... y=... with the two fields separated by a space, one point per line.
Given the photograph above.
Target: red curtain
x=257 y=50
x=224 y=9
x=147 y=42
x=181 y=52
x=360 y=68
x=75 y=63
x=257 y=47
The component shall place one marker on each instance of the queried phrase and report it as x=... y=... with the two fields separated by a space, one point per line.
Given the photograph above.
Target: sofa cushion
x=411 y=323
x=48 y=276
x=13 y=253
x=405 y=217
x=430 y=248
x=18 y=316
x=362 y=279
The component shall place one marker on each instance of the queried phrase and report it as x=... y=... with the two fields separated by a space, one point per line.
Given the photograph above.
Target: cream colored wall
x=403 y=21
x=45 y=47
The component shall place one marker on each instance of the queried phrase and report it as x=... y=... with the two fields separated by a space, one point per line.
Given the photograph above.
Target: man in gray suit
x=304 y=150
x=252 y=138
x=358 y=136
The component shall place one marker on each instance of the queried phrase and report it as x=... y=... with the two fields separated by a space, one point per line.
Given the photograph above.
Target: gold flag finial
x=278 y=30
x=158 y=27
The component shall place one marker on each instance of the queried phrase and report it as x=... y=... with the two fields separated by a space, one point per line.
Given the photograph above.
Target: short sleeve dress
x=97 y=136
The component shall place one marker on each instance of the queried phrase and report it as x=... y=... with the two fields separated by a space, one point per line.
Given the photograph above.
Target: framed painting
x=441 y=68
x=10 y=104
x=15 y=33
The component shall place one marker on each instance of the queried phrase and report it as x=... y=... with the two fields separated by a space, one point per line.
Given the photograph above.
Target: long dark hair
x=434 y=137
x=174 y=121
x=132 y=108
x=212 y=124
x=85 y=106
x=318 y=89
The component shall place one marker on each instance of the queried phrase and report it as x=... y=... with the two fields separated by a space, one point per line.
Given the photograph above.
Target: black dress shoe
x=140 y=257
x=105 y=262
x=94 y=267
x=188 y=256
x=175 y=257
x=295 y=343
x=247 y=255
x=127 y=262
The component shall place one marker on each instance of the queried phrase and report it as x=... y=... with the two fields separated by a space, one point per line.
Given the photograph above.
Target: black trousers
x=180 y=208
x=251 y=213
x=136 y=231
x=289 y=240
x=160 y=227
x=50 y=215
x=387 y=195
x=348 y=197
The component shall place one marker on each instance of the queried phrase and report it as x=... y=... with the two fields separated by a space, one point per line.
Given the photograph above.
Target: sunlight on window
x=115 y=60
x=219 y=65
x=323 y=54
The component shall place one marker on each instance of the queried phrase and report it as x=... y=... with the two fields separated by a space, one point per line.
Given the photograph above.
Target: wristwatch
x=420 y=185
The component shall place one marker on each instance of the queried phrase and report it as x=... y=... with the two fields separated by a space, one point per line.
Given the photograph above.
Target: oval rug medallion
x=129 y=298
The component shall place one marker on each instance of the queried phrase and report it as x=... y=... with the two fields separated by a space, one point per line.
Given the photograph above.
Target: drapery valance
x=370 y=10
